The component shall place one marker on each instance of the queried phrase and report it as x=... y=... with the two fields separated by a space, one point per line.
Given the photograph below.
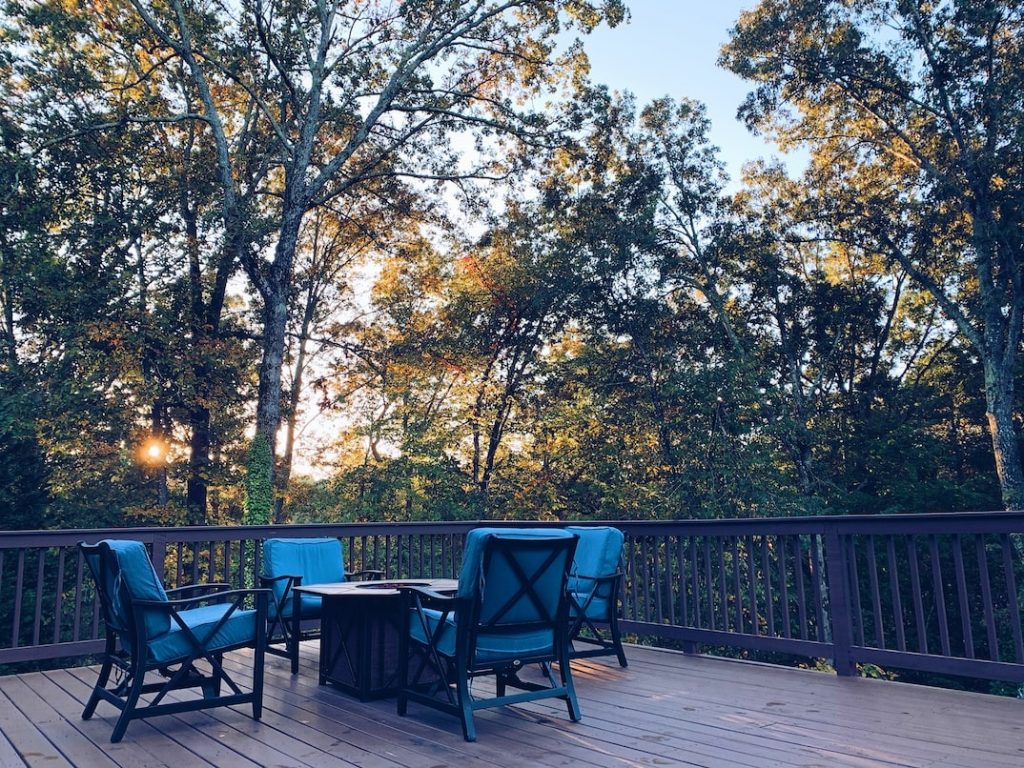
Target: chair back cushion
x=598 y=554
x=317 y=561
x=473 y=550
x=127 y=573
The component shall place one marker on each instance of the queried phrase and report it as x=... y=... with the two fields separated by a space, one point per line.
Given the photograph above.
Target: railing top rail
x=941 y=522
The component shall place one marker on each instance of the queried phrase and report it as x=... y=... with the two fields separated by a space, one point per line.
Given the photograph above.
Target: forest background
x=507 y=291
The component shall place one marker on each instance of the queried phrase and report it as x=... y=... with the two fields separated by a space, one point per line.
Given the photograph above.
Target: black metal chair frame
x=291 y=631
x=452 y=675
x=133 y=663
x=603 y=646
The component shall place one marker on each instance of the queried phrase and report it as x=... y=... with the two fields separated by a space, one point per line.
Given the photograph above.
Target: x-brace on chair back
x=169 y=632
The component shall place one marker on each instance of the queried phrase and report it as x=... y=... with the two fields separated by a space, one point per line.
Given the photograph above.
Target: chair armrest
x=176 y=605
x=606 y=577
x=267 y=580
x=364 y=573
x=429 y=595
x=184 y=591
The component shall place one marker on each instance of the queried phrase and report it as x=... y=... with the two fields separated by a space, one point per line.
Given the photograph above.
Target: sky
x=669 y=48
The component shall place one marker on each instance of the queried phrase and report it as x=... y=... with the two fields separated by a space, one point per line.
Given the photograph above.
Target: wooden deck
x=666 y=709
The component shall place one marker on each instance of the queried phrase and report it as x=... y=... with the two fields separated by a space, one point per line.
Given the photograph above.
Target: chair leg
x=211 y=689
x=499 y=684
x=465 y=706
x=565 y=672
x=403 y=668
x=257 y=679
x=101 y=681
x=130 y=702
x=617 y=641
x=293 y=642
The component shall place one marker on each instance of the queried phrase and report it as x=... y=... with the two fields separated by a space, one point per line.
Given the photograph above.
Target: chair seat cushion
x=175 y=644
x=489 y=647
x=309 y=607
x=596 y=610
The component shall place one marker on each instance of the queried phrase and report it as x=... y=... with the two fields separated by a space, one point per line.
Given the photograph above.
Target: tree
x=914 y=116
x=324 y=98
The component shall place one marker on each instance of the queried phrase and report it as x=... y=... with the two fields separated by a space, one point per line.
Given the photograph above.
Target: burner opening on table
x=393 y=584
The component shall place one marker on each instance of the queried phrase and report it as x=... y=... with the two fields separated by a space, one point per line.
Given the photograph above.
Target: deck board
x=665 y=709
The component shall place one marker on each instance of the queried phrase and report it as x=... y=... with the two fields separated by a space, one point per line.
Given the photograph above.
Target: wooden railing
x=935 y=593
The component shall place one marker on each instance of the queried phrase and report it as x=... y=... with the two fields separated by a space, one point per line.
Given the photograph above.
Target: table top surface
x=376 y=588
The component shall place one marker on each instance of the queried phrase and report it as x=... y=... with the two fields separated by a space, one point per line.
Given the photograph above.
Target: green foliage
x=24 y=477
x=259 y=494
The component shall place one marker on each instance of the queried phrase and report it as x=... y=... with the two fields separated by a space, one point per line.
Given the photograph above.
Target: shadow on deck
x=666 y=709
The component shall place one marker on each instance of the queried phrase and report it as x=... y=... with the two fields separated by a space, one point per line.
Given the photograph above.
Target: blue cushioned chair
x=511 y=609
x=594 y=584
x=289 y=563
x=169 y=632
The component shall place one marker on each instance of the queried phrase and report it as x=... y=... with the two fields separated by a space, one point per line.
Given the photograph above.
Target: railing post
x=160 y=557
x=839 y=601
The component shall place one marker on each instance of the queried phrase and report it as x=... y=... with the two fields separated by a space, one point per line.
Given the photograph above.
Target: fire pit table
x=360 y=623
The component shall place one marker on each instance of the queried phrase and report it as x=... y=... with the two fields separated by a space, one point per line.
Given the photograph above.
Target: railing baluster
x=723 y=589
x=241 y=563
x=19 y=583
x=632 y=576
x=817 y=580
x=709 y=584
x=738 y=596
x=961 y=590
x=940 y=596
x=857 y=618
x=695 y=577
x=894 y=591
x=755 y=624
x=780 y=548
x=986 y=597
x=876 y=592
x=178 y=566
x=58 y=606
x=801 y=594
x=659 y=615
x=95 y=615
x=37 y=618
x=680 y=583
x=766 y=573
x=645 y=556
x=915 y=587
x=79 y=573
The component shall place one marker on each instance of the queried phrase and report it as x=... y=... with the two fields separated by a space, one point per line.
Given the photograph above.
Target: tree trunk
x=284 y=467
x=201 y=321
x=275 y=324
x=999 y=411
x=10 y=338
